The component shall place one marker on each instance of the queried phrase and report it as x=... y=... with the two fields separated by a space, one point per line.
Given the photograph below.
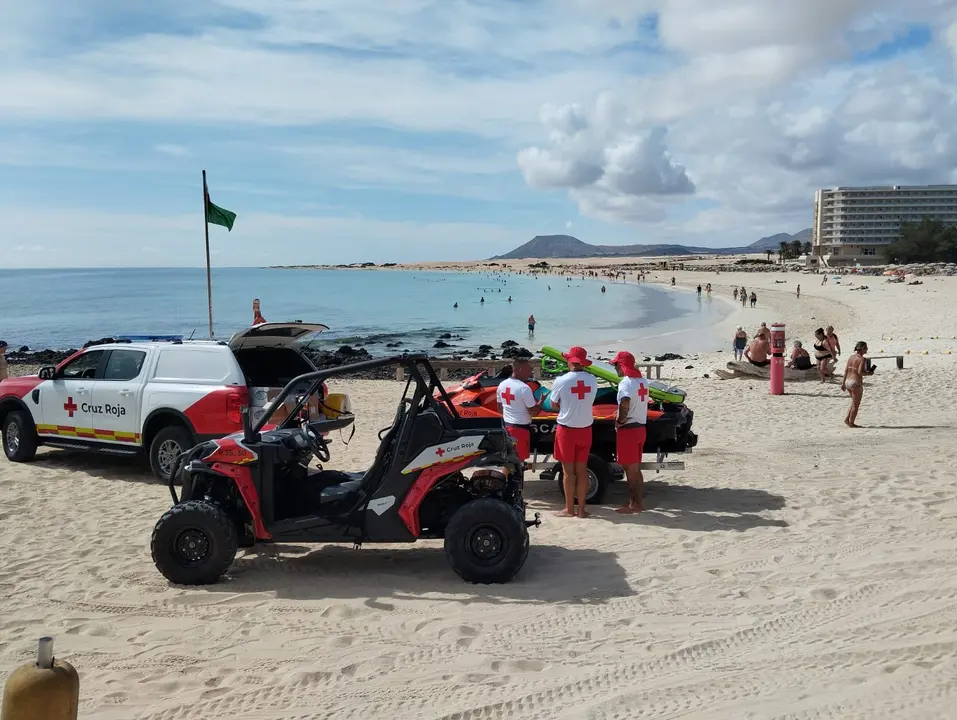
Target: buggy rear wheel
x=599 y=478
x=194 y=543
x=486 y=541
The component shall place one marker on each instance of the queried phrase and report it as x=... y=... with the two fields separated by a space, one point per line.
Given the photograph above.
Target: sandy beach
x=796 y=569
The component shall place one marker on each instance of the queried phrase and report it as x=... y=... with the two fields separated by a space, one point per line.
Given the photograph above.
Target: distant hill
x=566 y=246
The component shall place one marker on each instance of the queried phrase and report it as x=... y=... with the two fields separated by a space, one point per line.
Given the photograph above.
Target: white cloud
x=637 y=109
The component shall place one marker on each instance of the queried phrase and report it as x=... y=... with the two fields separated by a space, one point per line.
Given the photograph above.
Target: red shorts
x=629 y=445
x=523 y=440
x=572 y=444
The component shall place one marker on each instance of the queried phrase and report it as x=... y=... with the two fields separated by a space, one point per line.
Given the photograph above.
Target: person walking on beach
x=699 y=290
x=853 y=381
x=258 y=318
x=672 y=282
x=764 y=332
x=3 y=361
x=757 y=352
x=518 y=406
x=531 y=326
x=799 y=292
x=573 y=394
x=630 y=431
x=833 y=340
x=744 y=296
x=754 y=298
x=740 y=342
x=736 y=293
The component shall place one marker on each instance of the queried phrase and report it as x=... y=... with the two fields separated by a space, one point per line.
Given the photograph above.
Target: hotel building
x=852 y=224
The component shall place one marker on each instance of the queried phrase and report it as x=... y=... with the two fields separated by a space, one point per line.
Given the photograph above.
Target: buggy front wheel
x=486 y=541
x=194 y=543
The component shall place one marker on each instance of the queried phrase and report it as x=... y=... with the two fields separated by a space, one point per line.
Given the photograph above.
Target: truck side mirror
x=47 y=373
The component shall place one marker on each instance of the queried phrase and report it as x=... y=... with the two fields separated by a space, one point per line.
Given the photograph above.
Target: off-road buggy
x=436 y=475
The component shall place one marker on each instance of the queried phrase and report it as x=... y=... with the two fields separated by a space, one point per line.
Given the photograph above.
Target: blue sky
x=344 y=131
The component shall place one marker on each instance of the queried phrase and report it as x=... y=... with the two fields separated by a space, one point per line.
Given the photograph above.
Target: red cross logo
x=581 y=390
x=70 y=406
x=642 y=392
x=507 y=396
x=440 y=452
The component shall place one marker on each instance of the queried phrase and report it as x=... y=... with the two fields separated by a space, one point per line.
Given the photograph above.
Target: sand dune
x=795 y=569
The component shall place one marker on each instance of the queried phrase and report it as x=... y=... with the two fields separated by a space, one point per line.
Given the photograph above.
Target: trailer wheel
x=599 y=478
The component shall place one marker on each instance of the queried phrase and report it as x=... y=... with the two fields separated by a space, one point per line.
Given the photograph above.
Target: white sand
x=796 y=569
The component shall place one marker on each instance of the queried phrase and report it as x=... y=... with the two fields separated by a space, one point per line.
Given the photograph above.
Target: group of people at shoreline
x=572 y=396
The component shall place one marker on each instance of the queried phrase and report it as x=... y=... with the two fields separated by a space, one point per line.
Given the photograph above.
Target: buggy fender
x=409 y=510
x=243 y=478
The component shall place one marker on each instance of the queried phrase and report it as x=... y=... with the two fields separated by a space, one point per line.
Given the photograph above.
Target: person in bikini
x=853 y=381
x=630 y=427
x=833 y=340
x=822 y=353
x=572 y=396
x=757 y=352
x=258 y=318
x=518 y=406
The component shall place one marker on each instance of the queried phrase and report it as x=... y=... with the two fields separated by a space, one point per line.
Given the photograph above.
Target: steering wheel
x=317 y=443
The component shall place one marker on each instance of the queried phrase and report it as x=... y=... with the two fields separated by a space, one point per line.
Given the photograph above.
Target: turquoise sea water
x=64 y=308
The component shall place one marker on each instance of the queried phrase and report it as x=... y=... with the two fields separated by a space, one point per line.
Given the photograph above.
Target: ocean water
x=64 y=308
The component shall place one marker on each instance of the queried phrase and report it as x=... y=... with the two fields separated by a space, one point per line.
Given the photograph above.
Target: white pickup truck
x=160 y=398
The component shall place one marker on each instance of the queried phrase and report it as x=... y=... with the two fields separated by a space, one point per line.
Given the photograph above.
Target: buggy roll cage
x=418 y=367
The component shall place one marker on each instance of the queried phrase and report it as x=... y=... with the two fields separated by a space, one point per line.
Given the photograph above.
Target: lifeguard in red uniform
x=630 y=427
x=518 y=406
x=573 y=395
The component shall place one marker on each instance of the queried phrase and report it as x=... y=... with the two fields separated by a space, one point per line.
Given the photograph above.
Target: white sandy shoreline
x=797 y=568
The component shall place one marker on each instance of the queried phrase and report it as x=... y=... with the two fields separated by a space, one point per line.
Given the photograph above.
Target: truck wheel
x=19 y=437
x=486 y=541
x=194 y=543
x=599 y=478
x=167 y=444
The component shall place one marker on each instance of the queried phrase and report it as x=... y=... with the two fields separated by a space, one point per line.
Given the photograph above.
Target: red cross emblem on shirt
x=642 y=392
x=581 y=390
x=440 y=452
x=70 y=406
x=507 y=396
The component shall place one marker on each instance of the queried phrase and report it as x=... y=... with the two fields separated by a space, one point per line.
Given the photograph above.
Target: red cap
x=626 y=361
x=577 y=355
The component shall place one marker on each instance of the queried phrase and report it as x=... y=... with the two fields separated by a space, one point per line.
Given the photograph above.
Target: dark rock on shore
x=508 y=344
x=445 y=336
x=40 y=357
x=513 y=352
x=441 y=344
x=668 y=356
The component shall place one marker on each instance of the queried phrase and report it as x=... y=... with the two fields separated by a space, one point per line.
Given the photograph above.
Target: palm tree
x=808 y=248
x=796 y=246
x=784 y=251
x=769 y=254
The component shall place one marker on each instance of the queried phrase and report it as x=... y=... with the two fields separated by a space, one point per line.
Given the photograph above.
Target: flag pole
x=209 y=281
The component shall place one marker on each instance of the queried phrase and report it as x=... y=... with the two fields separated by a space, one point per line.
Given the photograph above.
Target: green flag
x=219 y=216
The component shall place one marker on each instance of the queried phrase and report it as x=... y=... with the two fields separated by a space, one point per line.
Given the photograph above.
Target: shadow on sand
x=128 y=468
x=417 y=571
x=683 y=507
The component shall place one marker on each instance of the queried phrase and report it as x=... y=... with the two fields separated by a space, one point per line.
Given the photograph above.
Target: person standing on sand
x=853 y=381
x=258 y=318
x=740 y=342
x=518 y=406
x=799 y=292
x=744 y=296
x=736 y=293
x=754 y=298
x=822 y=353
x=531 y=326
x=672 y=282
x=572 y=396
x=3 y=361
x=833 y=340
x=630 y=431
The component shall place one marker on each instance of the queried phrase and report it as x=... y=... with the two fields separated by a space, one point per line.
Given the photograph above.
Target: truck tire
x=194 y=543
x=19 y=437
x=486 y=541
x=599 y=479
x=167 y=444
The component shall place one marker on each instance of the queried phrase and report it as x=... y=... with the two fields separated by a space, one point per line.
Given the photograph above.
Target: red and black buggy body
x=435 y=475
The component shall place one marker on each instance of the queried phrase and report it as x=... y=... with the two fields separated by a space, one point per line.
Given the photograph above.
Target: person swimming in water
x=853 y=382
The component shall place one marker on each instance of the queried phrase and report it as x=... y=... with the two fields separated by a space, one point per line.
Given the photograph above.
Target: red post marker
x=778 y=346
